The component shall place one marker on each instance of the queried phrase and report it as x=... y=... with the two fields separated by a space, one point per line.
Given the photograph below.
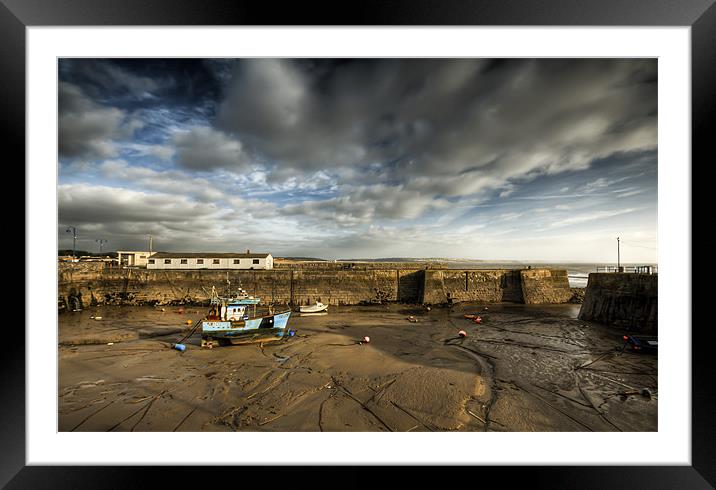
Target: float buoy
x=462 y=333
x=366 y=339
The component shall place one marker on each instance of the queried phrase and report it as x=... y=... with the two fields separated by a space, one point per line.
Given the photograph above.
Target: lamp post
x=101 y=242
x=73 y=230
x=150 y=244
x=619 y=268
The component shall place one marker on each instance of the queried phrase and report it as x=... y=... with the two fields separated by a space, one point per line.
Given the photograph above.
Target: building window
x=151 y=261
x=237 y=261
x=183 y=261
x=142 y=256
x=167 y=261
x=216 y=261
x=199 y=261
x=256 y=261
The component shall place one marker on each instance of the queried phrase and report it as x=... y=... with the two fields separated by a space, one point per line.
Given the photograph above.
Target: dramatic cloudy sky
x=546 y=159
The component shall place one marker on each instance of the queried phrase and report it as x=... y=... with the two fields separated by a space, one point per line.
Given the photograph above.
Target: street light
x=101 y=242
x=73 y=230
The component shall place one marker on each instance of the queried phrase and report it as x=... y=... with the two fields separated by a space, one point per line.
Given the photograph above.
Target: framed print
x=400 y=237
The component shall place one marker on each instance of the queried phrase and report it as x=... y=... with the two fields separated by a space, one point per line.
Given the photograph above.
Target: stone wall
x=624 y=300
x=488 y=286
x=545 y=286
x=95 y=284
x=85 y=284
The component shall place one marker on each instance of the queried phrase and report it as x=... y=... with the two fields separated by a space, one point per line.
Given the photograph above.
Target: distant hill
x=406 y=259
x=302 y=259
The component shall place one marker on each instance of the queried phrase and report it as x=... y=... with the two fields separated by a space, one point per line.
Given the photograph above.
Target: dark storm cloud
x=106 y=79
x=144 y=82
x=498 y=119
x=88 y=129
x=203 y=148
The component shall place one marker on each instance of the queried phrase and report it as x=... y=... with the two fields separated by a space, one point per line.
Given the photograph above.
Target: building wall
x=192 y=263
x=134 y=258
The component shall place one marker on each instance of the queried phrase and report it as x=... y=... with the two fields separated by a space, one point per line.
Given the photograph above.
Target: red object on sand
x=478 y=320
x=366 y=339
x=462 y=333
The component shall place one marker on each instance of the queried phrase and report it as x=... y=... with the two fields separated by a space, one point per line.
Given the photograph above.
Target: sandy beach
x=525 y=368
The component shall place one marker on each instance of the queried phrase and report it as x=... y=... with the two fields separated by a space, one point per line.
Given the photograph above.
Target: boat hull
x=261 y=329
x=313 y=309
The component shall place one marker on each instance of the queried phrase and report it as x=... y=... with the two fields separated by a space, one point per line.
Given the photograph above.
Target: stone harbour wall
x=623 y=300
x=85 y=284
x=545 y=286
x=488 y=286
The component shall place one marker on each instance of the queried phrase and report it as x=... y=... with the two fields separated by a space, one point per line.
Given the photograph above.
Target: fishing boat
x=239 y=319
x=318 y=307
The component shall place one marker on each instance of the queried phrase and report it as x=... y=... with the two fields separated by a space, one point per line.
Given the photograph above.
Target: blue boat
x=240 y=320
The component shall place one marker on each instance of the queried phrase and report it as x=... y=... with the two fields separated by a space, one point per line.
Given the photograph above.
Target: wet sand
x=525 y=368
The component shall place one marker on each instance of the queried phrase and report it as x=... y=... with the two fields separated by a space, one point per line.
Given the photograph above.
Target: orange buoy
x=462 y=333
x=188 y=322
x=478 y=320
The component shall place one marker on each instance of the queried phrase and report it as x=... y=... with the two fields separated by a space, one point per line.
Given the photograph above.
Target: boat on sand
x=239 y=319
x=318 y=307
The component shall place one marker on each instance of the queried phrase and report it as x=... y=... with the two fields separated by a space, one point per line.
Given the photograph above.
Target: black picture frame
x=700 y=15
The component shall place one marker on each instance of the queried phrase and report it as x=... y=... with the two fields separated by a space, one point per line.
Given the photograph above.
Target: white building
x=167 y=260
x=132 y=258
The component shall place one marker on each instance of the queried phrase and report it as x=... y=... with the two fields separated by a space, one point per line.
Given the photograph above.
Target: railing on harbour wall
x=634 y=269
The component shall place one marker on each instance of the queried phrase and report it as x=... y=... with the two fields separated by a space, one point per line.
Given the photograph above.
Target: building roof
x=207 y=255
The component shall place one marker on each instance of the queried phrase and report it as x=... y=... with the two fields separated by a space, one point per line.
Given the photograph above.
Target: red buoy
x=462 y=333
